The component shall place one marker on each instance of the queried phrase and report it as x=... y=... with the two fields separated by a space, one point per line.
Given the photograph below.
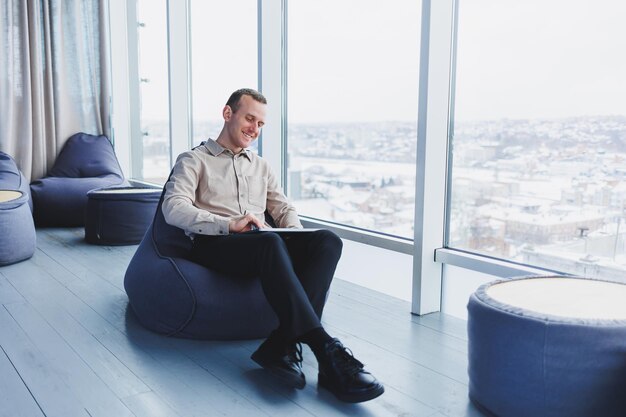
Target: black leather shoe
x=343 y=375
x=285 y=363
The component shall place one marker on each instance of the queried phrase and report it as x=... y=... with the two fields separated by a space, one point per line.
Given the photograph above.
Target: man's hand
x=244 y=224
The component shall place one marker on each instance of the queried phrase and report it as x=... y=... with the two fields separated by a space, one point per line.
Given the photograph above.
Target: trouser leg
x=315 y=256
x=267 y=256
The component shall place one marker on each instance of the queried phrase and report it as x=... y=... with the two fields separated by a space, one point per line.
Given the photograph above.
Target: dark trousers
x=295 y=270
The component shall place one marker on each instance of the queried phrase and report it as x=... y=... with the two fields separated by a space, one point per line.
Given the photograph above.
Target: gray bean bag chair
x=174 y=296
x=17 y=231
x=86 y=162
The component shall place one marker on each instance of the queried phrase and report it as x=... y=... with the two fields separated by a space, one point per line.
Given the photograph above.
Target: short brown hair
x=233 y=100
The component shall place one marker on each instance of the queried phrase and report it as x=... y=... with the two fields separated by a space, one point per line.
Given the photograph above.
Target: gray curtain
x=54 y=78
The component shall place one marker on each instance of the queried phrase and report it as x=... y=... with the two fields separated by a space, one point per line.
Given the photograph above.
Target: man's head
x=233 y=100
x=244 y=116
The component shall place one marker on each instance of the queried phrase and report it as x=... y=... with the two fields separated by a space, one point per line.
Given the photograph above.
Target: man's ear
x=227 y=112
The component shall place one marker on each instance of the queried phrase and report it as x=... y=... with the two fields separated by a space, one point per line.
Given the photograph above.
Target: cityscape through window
x=352 y=112
x=539 y=135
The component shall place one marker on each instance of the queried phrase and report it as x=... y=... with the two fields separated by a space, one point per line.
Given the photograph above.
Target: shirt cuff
x=222 y=226
x=217 y=227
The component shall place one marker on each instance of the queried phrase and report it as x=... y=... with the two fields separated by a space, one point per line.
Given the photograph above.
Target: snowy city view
x=359 y=174
x=550 y=193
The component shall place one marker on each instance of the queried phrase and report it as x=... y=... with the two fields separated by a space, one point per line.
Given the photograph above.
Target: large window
x=224 y=58
x=154 y=90
x=352 y=111
x=539 y=159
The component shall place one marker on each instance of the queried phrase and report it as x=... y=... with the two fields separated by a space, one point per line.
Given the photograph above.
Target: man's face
x=245 y=125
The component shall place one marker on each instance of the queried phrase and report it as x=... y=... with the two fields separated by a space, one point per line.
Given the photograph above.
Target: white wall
x=379 y=269
x=457 y=286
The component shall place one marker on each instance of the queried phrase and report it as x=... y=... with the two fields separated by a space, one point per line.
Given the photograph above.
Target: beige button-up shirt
x=210 y=186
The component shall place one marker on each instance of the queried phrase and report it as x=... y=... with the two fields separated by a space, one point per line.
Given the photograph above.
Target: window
x=538 y=169
x=224 y=59
x=154 y=90
x=352 y=112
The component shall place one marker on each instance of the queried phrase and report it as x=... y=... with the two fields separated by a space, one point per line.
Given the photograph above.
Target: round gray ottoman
x=548 y=346
x=17 y=230
x=119 y=215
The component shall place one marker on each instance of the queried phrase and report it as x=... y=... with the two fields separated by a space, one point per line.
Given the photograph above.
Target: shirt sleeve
x=180 y=194
x=281 y=210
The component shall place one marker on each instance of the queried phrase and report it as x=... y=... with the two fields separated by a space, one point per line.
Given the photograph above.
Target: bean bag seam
x=181 y=275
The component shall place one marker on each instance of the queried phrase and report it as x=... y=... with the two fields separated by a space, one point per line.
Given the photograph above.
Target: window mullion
x=432 y=152
x=179 y=77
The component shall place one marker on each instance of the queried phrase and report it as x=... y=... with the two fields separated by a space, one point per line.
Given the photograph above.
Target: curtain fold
x=54 y=77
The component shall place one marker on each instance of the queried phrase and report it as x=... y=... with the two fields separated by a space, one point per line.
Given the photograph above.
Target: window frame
x=435 y=124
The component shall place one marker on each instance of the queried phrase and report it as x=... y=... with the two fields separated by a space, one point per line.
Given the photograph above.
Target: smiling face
x=242 y=127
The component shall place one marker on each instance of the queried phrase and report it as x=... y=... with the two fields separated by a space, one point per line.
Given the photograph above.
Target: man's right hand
x=244 y=224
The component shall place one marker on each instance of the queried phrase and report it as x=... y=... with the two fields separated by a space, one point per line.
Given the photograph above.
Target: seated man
x=218 y=193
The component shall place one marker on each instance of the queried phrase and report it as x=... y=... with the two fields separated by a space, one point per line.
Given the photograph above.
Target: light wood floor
x=70 y=346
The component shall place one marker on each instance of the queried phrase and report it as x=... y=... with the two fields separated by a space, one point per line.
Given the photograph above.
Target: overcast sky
x=357 y=60
x=541 y=58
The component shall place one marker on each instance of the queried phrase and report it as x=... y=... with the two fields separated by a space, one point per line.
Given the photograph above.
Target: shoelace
x=346 y=362
x=295 y=353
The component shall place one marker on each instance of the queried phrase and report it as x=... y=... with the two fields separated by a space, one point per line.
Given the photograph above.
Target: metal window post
x=432 y=152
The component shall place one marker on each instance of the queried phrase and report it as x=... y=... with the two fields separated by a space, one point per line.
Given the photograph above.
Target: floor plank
x=15 y=398
x=388 y=305
x=45 y=379
x=436 y=351
x=8 y=294
x=87 y=386
x=102 y=362
x=71 y=346
x=149 y=404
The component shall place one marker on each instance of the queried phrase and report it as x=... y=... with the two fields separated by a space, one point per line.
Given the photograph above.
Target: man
x=219 y=193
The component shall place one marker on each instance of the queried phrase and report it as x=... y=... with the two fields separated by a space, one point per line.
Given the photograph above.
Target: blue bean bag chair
x=17 y=231
x=85 y=162
x=174 y=296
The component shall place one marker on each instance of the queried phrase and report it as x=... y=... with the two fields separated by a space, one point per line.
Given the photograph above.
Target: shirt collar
x=216 y=149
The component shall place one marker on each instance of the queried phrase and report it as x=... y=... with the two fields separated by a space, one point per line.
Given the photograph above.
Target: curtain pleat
x=54 y=77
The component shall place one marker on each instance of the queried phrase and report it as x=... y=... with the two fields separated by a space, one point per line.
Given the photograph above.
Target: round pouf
x=17 y=236
x=17 y=230
x=119 y=215
x=549 y=347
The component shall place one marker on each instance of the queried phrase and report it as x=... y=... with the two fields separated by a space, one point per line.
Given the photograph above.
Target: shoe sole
x=360 y=397
x=286 y=377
